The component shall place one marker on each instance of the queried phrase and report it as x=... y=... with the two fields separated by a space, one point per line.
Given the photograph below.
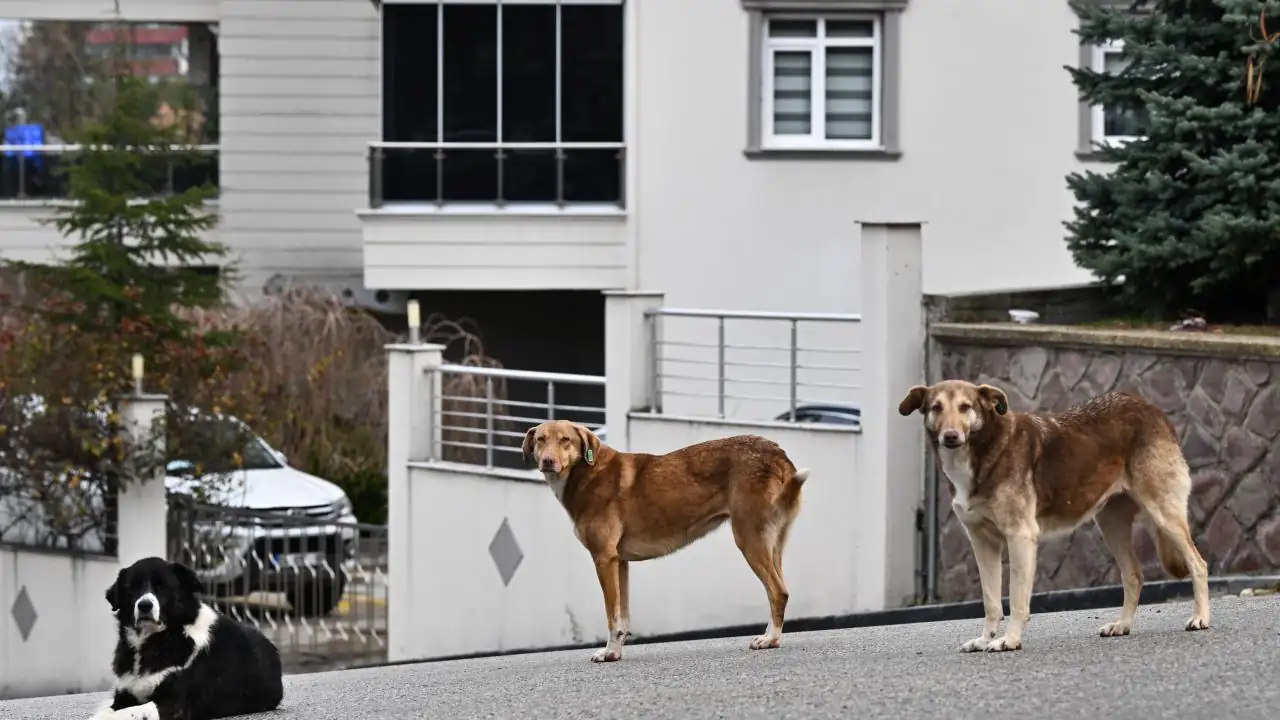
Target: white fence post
x=141 y=506
x=892 y=460
x=413 y=402
x=629 y=359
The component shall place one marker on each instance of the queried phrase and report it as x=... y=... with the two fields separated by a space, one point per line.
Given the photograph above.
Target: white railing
x=808 y=372
x=29 y=172
x=514 y=173
x=486 y=411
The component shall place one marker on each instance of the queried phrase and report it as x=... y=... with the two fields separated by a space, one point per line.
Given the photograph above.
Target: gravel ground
x=903 y=671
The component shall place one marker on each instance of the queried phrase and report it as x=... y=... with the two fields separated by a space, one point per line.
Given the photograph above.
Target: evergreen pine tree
x=140 y=249
x=1190 y=215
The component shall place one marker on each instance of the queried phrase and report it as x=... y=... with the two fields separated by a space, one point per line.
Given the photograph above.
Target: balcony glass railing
x=36 y=172
x=497 y=174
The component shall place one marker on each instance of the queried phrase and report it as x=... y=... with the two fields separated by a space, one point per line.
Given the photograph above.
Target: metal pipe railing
x=23 y=159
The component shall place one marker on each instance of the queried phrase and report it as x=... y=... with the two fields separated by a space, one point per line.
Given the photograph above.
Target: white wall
x=300 y=101
x=511 y=251
x=69 y=649
x=988 y=132
x=461 y=606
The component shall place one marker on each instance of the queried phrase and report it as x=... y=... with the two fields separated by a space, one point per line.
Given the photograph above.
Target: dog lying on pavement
x=1018 y=477
x=635 y=506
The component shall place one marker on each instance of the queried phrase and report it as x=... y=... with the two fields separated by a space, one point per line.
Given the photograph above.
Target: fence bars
x=503 y=418
x=721 y=379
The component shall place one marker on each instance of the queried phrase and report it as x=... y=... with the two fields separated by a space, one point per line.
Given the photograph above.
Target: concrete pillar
x=141 y=507
x=413 y=402
x=629 y=359
x=892 y=454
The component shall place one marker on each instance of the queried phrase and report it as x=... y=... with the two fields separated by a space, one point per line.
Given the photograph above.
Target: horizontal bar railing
x=484 y=413
x=757 y=354
x=507 y=173
x=35 y=172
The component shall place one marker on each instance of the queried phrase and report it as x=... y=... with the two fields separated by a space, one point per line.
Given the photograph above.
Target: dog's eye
x=965 y=407
x=564 y=441
x=937 y=407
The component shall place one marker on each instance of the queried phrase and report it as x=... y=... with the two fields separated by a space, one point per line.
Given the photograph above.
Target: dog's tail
x=1170 y=554
x=791 y=491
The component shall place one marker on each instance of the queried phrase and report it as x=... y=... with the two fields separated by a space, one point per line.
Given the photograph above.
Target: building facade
x=719 y=151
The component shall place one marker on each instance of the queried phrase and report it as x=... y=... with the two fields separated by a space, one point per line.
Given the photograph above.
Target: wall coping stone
x=1175 y=343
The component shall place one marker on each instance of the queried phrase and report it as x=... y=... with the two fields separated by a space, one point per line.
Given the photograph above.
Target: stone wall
x=1222 y=395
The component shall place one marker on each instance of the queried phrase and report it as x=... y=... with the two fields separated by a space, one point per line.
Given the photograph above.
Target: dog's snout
x=951 y=438
x=145 y=606
x=548 y=463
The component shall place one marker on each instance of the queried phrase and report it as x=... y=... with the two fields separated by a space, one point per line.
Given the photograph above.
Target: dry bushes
x=314 y=384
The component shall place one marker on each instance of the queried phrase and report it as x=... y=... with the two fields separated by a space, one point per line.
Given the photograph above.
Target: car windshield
x=222 y=446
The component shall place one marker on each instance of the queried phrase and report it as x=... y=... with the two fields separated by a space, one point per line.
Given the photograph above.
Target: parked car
x=827 y=413
x=244 y=549
x=260 y=525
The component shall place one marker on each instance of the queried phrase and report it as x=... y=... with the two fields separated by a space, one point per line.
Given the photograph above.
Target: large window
x=495 y=103
x=822 y=80
x=1112 y=125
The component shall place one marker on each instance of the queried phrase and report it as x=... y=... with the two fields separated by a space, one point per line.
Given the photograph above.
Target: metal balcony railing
x=36 y=172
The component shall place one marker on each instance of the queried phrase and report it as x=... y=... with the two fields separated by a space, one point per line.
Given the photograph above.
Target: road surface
x=1231 y=671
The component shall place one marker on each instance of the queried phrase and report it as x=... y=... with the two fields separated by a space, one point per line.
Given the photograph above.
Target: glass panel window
x=823 y=83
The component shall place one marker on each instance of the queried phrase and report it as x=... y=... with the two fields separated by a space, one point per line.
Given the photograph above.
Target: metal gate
x=315 y=587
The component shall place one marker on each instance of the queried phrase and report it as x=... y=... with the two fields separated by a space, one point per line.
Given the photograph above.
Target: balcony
x=495 y=216
x=33 y=181
x=36 y=173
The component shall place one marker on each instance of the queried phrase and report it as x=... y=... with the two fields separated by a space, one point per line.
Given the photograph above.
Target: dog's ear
x=527 y=448
x=914 y=400
x=994 y=398
x=113 y=592
x=590 y=444
x=188 y=581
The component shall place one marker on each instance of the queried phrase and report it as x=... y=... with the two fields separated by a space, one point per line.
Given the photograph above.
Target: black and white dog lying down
x=177 y=658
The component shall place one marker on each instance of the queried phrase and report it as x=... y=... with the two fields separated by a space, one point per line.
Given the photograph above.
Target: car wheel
x=318 y=597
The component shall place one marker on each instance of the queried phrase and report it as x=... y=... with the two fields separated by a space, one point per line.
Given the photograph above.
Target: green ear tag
x=591 y=457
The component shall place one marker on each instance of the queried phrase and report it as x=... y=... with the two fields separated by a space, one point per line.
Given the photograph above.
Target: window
x=824 y=78
x=822 y=83
x=498 y=103
x=1111 y=125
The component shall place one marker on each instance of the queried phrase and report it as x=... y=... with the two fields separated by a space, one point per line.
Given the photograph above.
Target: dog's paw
x=766 y=641
x=1114 y=629
x=1002 y=644
x=606 y=654
x=1198 y=622
x=977 y=644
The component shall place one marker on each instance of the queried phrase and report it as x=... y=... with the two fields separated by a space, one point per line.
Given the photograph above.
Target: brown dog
x=1018 y=477
x=636 y=506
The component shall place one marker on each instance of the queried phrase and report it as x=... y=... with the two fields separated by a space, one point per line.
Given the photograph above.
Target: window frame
x=1098 y=113
x=761 y=144
x=817 y=47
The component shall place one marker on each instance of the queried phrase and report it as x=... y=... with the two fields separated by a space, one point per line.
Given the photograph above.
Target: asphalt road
x=1231 y=671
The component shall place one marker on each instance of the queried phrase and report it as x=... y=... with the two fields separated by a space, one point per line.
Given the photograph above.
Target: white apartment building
x=719 y=151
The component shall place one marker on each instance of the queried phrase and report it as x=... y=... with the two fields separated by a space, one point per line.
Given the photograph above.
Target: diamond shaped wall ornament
x=24 y=613
x=505 y=552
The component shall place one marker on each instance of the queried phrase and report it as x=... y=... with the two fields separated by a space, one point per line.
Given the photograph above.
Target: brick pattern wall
x=1226 y=412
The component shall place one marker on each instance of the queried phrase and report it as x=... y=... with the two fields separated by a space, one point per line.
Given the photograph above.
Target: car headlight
x=343 y=507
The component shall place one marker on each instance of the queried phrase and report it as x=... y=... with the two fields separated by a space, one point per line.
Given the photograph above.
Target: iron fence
x=315 y=586
x=559 y=173
x=484 y=412
x=799 y=374
x=37 y=172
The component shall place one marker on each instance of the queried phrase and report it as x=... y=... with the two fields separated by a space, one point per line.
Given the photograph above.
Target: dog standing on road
x=635 y=506
x=1018 y=477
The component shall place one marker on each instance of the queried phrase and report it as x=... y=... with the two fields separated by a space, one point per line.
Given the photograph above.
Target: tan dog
x=635 y=506
x=1018 y=477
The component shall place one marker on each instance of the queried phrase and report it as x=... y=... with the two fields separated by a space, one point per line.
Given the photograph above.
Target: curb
x=1092 y=598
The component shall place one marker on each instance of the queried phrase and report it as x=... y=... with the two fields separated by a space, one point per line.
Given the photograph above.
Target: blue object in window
x=27 y=134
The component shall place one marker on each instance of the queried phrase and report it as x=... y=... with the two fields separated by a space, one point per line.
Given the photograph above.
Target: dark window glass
x=591 y=73
x=529 y=101
x=409 y=101
x=470 y=73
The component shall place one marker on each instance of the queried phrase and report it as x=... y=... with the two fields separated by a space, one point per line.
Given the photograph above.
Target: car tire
x=318 y=597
